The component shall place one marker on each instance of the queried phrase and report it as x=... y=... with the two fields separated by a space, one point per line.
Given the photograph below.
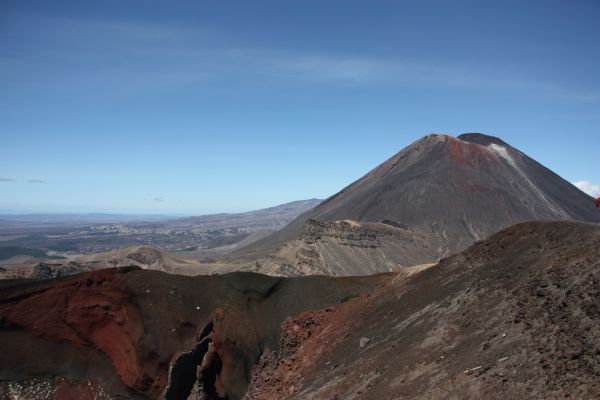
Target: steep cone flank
x=453 y=191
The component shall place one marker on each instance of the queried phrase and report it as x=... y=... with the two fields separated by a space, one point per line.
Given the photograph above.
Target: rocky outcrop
x=346 y=233
x=348 y=248
x=56 y=270
x=146 y=255
x=195 y=370
x=279 y=374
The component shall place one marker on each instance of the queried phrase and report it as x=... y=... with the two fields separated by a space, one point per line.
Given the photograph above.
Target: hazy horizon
x=206 y=107
x=8 y=212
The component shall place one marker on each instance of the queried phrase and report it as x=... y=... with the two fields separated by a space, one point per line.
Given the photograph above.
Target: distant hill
x=27 y=240
x=267 y=218
x=444 y=192
x=50 y=219
x=275 y=215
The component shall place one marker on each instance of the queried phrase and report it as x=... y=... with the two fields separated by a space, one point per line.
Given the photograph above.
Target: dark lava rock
x=48 y=271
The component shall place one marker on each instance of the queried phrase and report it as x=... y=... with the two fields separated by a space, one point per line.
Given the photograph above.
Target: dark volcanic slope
x=516 y=316
x=115 y=332
x=454 y=191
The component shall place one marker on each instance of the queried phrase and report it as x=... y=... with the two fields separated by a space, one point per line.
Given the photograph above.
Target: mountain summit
x=449 y=192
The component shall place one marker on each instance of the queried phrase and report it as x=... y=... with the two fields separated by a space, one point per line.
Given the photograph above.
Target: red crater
x=464 y=152
x=92 y=310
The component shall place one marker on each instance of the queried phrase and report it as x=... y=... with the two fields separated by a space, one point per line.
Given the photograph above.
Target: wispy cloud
x=155 y=57
x=330 y=68
x=7 y=180
x=159 y=198
x=206 y=65
x=593 y=189
x=412 y=73
x=36 y=181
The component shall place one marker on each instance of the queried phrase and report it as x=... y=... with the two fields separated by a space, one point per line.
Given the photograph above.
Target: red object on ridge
x=598 y=202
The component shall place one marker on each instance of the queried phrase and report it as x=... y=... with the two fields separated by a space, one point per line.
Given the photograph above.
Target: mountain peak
x=435 y=137
x=481 y=138
x=474 y=138
x=451 y=191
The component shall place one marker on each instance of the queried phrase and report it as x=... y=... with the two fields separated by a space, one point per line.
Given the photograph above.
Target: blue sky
x=192 y=107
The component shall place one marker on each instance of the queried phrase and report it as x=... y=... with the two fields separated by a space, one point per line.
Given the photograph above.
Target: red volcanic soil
x=93 y=310
x=304 y=340
x=469 y=153
x=118 y=331
x=80 y=390
x=513 y=317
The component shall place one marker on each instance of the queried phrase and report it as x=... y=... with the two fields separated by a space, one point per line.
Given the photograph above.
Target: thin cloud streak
x=179 y=57
x=7 y=180
x=36 y=181
x=214 y=64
